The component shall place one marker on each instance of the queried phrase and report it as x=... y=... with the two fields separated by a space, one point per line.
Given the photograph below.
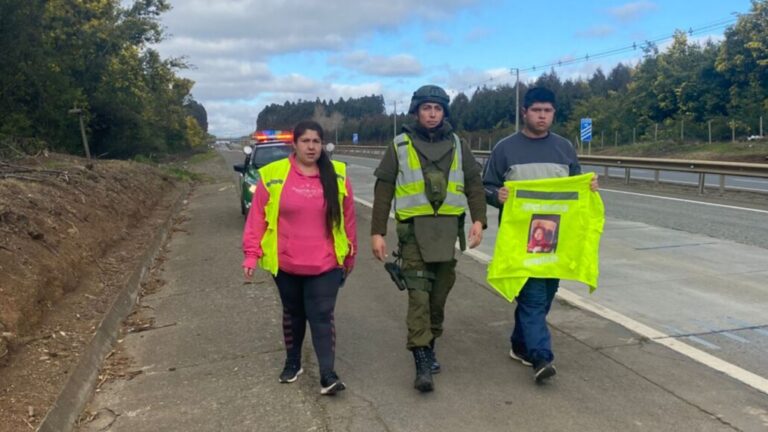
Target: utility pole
x=394 y=115
x=682 y=129
x=517 y=99
x=79 y=113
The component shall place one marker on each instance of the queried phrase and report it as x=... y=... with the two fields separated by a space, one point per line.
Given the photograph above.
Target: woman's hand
x=248 y=274
x=347 y=271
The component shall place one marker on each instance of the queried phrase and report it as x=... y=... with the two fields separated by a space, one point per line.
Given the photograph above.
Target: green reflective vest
x=410 y=196
x=273 y=176
x=550 y=228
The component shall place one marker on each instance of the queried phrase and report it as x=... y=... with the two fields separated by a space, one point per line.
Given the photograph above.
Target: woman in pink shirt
x=312 y=214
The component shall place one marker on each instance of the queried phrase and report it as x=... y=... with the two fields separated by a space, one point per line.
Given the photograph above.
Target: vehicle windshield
x=263 y=155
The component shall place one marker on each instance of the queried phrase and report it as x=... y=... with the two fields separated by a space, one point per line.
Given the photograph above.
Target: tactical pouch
x=435 y=185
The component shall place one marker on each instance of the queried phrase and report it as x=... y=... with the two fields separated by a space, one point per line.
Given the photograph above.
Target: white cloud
x=597 y=32
x=477 y=34
x=437 y=37
x=238 y=117
x=468 y=79
x=231 y=45
x=223 y=79
x=397 y=65
x=632 y=11
x=268 y=27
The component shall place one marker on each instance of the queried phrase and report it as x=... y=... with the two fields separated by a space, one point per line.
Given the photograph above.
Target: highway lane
x=212 y=363
x=692 y=270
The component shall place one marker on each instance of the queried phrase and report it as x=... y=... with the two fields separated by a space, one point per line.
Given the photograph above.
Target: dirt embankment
x=69 y=232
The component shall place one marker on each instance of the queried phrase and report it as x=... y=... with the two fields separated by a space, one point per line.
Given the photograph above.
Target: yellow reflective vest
x=410 y=197
x=550 y=228
x=273 y=176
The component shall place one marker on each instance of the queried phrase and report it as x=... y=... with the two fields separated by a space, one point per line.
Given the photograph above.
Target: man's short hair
x=538 y=94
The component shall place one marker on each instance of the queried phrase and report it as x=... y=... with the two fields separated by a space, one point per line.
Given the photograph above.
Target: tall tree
x=94 y=55
x=198 y=112
x=743 y=61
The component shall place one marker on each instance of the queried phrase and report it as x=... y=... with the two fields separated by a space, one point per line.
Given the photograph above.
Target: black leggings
x=310 y=298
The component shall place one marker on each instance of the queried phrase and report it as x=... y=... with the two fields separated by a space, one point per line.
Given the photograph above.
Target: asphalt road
x=681 y=264
x=212 y=363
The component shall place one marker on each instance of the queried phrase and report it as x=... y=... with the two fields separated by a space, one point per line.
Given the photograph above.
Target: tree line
x=94 y=56
x=722 y=85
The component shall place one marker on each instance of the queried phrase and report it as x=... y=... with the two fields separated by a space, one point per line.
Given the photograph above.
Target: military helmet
x=429 y=93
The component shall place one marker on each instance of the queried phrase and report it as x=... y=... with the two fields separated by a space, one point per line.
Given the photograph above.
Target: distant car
x=755 y=137
x=256 y=156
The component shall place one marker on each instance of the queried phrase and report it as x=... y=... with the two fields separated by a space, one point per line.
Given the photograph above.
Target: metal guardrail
x=702 y=168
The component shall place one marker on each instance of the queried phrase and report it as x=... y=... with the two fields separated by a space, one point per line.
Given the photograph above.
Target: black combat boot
x=423 y=358
x=435 y=366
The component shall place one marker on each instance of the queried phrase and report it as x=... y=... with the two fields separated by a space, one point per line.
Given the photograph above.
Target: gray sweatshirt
x=518 y=157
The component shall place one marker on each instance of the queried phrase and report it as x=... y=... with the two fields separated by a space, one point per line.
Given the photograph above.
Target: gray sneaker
x=522 y=358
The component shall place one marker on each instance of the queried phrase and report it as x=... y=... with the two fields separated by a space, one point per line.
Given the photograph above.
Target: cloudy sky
x=246 y=54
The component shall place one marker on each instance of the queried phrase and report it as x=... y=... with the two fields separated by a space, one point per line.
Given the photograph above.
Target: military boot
x=423 y=358
x=435 y=366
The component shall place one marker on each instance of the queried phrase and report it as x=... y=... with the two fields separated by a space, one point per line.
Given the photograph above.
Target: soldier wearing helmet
x=432 y=178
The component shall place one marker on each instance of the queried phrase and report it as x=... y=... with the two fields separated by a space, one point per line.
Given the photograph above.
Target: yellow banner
x=550 y=228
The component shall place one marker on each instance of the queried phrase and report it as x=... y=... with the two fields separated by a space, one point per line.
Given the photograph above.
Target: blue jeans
x=531 y=335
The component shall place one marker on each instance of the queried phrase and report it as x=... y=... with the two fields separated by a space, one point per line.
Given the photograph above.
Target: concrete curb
x=77 y=390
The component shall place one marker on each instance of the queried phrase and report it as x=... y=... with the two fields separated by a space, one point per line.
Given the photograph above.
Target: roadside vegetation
x=96 y=57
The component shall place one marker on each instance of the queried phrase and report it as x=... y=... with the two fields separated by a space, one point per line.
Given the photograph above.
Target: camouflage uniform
x=427 y=243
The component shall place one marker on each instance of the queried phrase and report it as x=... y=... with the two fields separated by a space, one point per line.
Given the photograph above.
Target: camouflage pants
x=428 y=288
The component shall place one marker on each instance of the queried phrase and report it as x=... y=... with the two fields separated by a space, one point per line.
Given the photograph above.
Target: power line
x=648 y=43
x=720 y=24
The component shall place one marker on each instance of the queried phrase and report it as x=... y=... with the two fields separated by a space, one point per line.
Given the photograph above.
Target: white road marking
x=685 y=200
x=751 y=379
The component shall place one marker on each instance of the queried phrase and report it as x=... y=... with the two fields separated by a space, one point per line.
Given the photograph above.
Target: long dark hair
x=327 y=176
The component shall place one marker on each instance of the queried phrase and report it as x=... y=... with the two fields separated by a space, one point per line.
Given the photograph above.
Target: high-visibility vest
x=410 y=197
x=570 y=216
x=273 y=176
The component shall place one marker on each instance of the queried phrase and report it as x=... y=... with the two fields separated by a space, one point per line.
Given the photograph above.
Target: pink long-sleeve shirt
x=303 y=245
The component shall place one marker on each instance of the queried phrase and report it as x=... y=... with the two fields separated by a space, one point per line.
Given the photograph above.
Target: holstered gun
x=396 y=272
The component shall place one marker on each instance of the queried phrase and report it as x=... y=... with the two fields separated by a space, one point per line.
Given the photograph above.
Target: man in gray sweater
x=533 y=153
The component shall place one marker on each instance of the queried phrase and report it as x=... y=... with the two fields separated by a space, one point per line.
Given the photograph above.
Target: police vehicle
x=268 y=146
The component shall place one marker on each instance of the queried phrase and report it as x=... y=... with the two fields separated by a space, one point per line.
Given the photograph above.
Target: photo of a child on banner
x=550 y=228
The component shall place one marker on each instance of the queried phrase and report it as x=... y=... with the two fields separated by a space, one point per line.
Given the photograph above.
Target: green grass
x=183 y=174
x=745 y=151
x=202 y=157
